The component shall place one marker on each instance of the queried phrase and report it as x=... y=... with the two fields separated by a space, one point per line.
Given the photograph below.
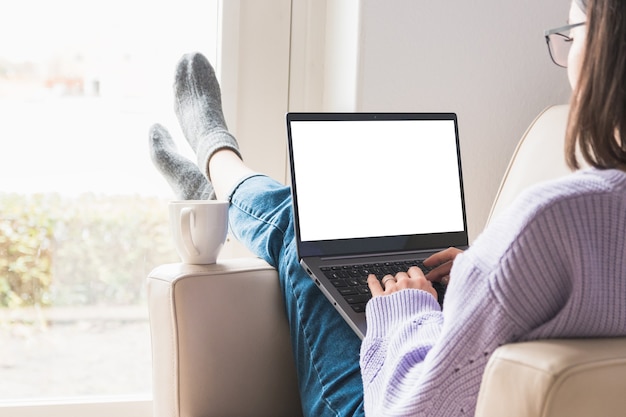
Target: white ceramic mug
x=199 y=228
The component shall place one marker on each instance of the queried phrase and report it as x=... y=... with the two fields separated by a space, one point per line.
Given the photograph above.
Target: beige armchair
x=221 y=346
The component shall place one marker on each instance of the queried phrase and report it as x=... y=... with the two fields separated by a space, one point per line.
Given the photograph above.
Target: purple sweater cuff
x=387 y=312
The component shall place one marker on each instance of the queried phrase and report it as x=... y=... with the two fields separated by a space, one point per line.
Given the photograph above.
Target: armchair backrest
x=550 y=378
x=539 y=156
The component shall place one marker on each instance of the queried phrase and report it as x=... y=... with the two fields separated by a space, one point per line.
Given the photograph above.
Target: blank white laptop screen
x=375 y=178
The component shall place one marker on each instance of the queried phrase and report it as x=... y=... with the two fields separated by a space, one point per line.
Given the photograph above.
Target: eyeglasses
x=559 y=44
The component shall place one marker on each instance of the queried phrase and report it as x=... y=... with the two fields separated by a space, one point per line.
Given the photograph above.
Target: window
x=83 y=217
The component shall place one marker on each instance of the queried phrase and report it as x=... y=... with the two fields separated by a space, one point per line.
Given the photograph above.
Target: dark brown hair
x=597 y=119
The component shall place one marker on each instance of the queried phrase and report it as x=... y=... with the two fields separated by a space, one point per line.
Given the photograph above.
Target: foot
x=183 y=176
x=198 y=107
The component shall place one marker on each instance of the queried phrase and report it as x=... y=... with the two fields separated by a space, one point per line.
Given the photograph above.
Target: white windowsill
x=131 y=406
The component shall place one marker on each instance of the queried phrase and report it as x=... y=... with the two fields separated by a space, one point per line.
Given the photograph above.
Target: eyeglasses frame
x=559 y=31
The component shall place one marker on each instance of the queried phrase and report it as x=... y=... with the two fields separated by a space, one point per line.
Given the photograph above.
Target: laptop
x=373 y=193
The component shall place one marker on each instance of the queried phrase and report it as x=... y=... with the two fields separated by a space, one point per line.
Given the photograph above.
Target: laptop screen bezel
x=363 y=246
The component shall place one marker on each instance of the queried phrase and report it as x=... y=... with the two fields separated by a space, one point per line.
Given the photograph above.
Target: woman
x=553 y=265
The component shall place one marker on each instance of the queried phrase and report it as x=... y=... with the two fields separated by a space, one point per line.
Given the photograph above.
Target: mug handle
x=187 y=217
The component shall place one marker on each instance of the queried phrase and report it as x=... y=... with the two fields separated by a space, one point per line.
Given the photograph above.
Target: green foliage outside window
x=85 y=250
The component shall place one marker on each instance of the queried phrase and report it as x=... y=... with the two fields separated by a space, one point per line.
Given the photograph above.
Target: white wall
x=486 y=60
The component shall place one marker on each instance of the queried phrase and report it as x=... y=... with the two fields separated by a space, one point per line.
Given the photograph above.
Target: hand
x=413 y=278
x=442 y=261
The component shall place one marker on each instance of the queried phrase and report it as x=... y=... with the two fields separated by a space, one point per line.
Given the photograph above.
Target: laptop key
x=360 y=298
x=354 y=273
x=331 y=274
x=358 y=308
x=348 y=291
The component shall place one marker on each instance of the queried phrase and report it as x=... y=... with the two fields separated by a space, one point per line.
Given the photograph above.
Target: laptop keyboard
x=351 y=280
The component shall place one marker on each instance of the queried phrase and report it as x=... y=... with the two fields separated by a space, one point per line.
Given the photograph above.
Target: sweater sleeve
x=530 y=275
x=416 y=361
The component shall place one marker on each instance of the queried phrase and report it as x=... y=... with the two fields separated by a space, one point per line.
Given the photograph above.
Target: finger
x=421 y=283
x=390 y=284
x=402 y=280
x=418 y=281
x=441 y=257
x=440 y=272
x=375 y=288
x=415 y=272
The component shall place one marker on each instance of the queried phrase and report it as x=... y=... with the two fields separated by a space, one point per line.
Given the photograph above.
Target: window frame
x=234 y=75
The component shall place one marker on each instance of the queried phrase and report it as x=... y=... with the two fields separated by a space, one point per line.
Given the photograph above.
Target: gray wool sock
x=183 y=176
x=198 y=106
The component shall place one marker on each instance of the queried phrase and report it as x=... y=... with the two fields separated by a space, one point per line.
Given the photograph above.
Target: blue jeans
x=326 y=350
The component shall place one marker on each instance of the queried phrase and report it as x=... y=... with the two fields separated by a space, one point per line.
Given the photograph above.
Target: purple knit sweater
x=553 y=265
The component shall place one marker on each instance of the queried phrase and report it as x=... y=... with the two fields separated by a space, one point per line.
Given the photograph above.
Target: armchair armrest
x=220 y=341
x=221 y=347
x=556 y=377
